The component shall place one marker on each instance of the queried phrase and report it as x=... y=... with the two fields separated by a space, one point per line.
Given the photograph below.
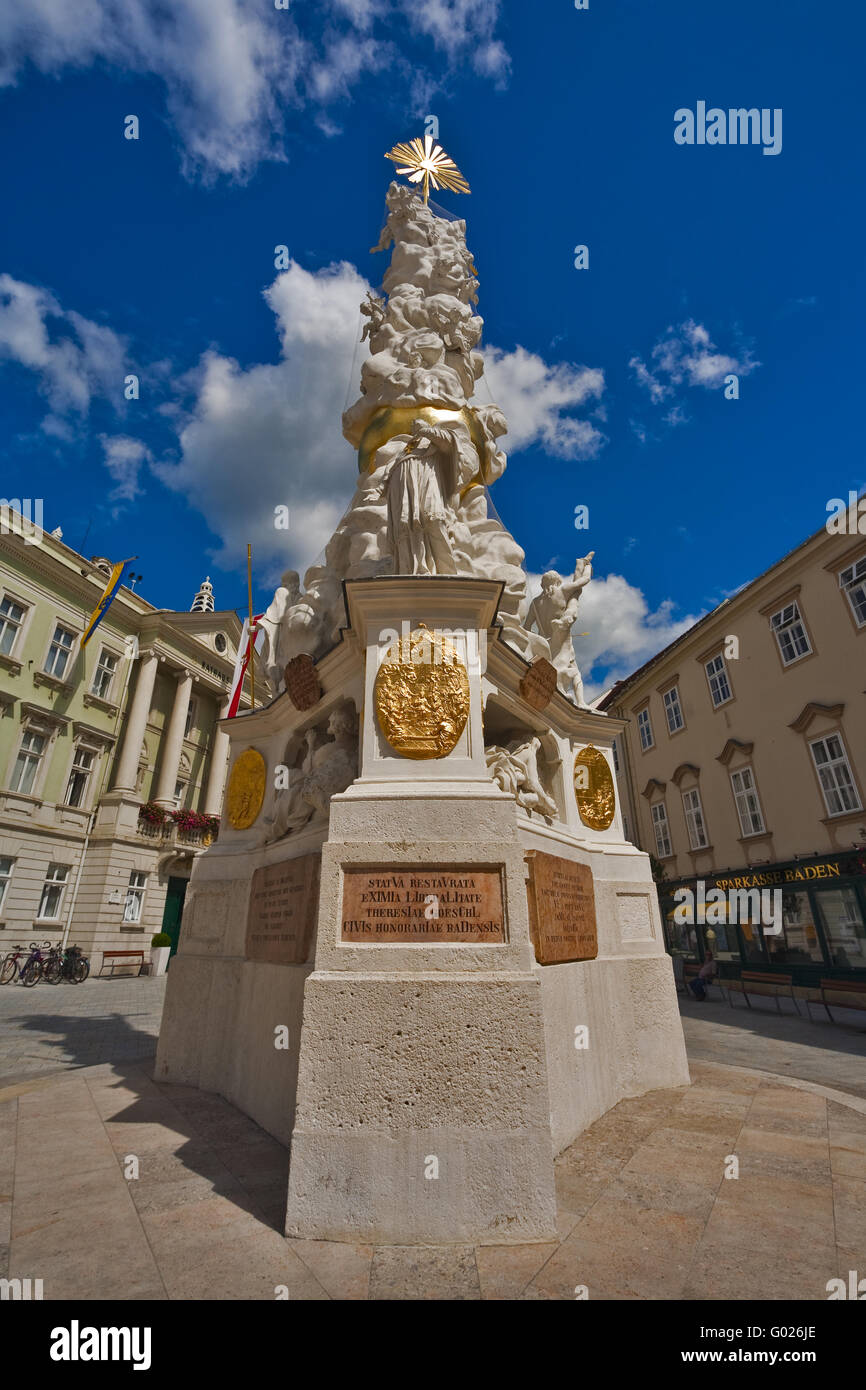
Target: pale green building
x=88 y=736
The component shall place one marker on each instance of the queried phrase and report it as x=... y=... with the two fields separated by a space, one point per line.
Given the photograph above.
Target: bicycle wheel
x=8 y=970
x=32 y=973
x=53 y=970
x=80 y=971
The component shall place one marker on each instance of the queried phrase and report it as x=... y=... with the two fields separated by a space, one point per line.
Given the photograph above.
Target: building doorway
x=173 y=911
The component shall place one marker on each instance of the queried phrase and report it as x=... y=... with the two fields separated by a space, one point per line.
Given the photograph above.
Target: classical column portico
x=218 y=758
x=173 y=741
x=126 y=776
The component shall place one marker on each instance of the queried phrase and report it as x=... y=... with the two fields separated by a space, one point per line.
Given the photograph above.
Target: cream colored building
x=88 y=736
x=744 y=760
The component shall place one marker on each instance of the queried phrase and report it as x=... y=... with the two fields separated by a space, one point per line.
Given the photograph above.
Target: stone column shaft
x=217 y=773
x=126 y=774
x=172 y=741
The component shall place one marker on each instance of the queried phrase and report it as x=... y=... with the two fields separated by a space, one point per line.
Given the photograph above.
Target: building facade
x=743 y=765
x=89 y=737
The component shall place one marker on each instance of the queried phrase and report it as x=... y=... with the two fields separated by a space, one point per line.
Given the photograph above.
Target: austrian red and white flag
x=243 y=660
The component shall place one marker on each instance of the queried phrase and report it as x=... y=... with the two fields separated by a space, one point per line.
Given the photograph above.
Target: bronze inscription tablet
x=284 y=900
x=561 y=909
x=422 y=906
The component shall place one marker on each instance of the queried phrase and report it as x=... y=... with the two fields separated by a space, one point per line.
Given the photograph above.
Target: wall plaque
x=302 y=682
x=284 y=901
x=539 y=683
x=426 y=905
x=561 y=909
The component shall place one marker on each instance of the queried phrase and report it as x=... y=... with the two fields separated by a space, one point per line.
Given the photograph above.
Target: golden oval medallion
x=246 y=789
x=594 y=789
x=422 y=695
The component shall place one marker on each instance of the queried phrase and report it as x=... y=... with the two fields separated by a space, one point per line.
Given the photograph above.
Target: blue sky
x=261 y=127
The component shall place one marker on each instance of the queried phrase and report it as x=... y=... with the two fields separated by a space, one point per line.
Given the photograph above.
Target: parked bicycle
x=31 y=971
x=69 y=964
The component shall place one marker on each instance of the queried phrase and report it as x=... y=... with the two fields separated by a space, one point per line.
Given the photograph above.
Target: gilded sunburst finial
x=426 y=163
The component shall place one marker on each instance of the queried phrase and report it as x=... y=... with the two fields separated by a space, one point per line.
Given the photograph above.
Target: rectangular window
x=662 y=832
x=673 y=710
x=27 y=763
x=103 y=676
x=615 y=757
x=190 y=716
x=52 y=892
x=646 y=729
x=852 y=582
x=798 y=940
x=834 y=774
x=79 y=778
x=843 y=927
x=5 y=878
x=59 y=652
x=717 y=675
x=11 y=621
x=790 y=633
x=748 y=805
x=135 y=897
x=695 y=819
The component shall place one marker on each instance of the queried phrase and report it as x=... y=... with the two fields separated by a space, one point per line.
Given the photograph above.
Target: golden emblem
x=422 y=695
x=594 y=789
x=246 y=789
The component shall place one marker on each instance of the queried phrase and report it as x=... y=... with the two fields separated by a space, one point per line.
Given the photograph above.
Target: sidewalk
x=645 y=1211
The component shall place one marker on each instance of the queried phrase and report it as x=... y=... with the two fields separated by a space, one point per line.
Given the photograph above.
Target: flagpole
x=251 y=635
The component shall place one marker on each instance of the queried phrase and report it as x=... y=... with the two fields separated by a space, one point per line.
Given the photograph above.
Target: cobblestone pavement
x=829 y=1054
x=645 y=1208
x=52 y=1028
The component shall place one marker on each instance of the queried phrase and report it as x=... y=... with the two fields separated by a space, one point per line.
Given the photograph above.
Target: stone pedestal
x=434 y=1057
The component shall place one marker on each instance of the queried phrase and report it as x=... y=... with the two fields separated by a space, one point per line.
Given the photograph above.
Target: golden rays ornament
x=426 y=163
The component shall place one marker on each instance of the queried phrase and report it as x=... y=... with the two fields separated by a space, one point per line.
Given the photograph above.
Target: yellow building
x=102 y=749
x=744 y=762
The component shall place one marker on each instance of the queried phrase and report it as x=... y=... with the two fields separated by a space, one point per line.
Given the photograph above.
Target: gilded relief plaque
x=422 y=906
x=246 y=789
x=593 y=788
x=422 y=695
x=281 y=917
x=561 y=909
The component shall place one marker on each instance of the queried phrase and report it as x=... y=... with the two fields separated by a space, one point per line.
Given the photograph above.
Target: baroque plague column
x=422 y=952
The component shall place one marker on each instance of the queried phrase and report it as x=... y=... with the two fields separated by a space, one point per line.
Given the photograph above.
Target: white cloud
x=537 y=399
x=124 y=458
x=686 y=356
x=624 y=631
x=73 y=358
x=269 y=435
x=232 y=68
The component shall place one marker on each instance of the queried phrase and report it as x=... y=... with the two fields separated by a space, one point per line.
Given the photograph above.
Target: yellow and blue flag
x=108 y=594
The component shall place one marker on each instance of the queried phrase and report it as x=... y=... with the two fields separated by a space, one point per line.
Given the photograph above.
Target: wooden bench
x=114 y=958
x=857 y=988
x=764 y=982
x=690 y=972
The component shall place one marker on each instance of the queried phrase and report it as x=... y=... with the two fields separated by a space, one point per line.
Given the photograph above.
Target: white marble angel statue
x=554 y=613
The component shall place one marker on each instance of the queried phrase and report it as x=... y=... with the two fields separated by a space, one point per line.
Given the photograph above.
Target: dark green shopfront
x=823 y=928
